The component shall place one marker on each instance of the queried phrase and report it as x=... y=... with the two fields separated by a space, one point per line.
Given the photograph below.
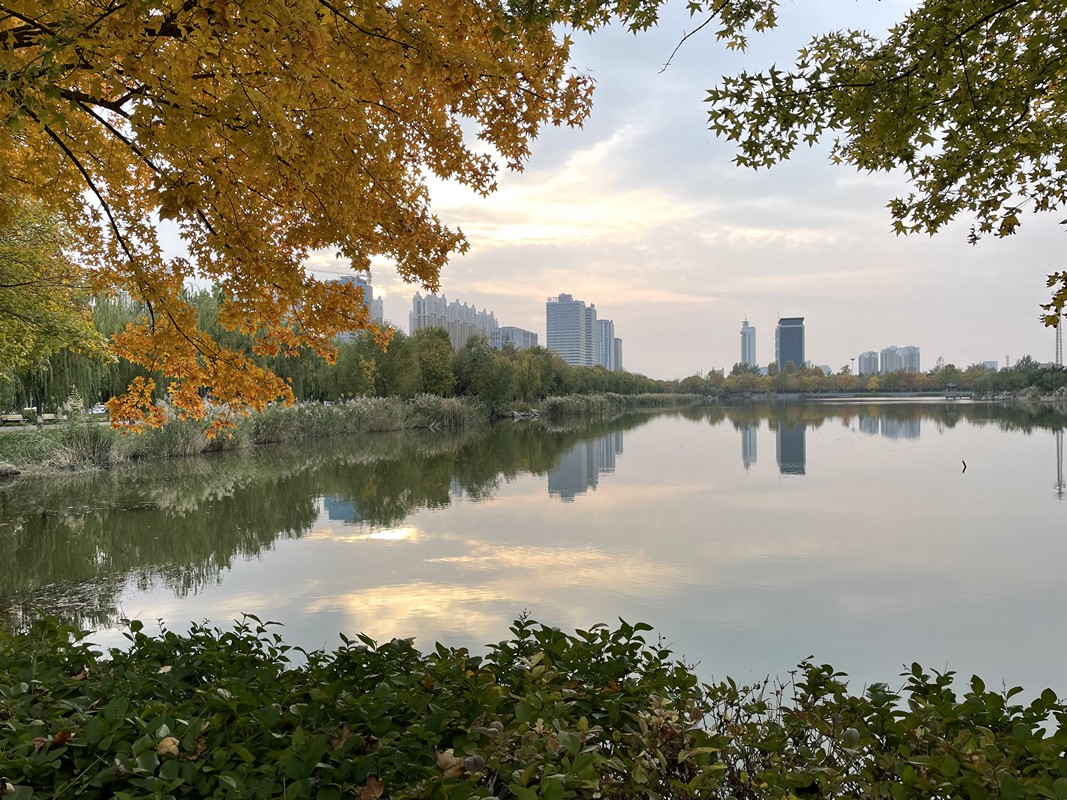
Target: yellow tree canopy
x=265 y=130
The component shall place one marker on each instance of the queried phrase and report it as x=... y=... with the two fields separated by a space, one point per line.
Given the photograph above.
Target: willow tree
x=44 y=307
x=967 y=97
x=266 y=130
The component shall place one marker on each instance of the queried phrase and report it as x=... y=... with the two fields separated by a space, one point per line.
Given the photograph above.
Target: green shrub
x=600 y=713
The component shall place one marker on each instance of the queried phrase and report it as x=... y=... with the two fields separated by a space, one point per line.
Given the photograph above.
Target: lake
x=749 y=536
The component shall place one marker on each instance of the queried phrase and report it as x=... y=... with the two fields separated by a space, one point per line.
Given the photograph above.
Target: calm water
x=750 y=537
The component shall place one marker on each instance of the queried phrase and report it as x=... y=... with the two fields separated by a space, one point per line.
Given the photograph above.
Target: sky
x=642 y=213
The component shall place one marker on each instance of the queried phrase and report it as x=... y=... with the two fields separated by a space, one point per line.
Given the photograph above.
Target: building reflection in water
x=580 y=468
x=900 y=428
x=791 y=449
x=1059 y=463
x=891 y=427
x=340 y=510
x=748 y=445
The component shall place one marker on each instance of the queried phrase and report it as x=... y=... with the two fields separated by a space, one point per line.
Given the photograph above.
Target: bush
x=543 y=714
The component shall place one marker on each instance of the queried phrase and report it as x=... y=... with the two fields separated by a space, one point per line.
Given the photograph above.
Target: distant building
x=789 y=342
x=889 y=360
x=748 y=344
x=566 y=330
x=606 y=343
x=519 y=338
x=459 y=320
x=993 y=365
x=573 y=331
x=374 y=304
x=868 y=363
x=900 y=359
x=909 y=358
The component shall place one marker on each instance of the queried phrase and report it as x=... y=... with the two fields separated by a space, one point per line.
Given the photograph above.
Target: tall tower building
x=748 y=344
x=789 y=342
x=574 y=332
x=606 y=343
x=565 y=329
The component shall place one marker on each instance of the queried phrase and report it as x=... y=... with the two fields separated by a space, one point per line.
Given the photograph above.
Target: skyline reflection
x=580 y=468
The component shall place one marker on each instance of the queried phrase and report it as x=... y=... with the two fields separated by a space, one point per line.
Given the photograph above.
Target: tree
x=484 y=373
x=43 y=305
x=435 y=353
x=264 y=131
x=398 y=368
x=967 y=98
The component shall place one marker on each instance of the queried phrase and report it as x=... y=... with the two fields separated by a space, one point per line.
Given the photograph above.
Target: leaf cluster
x=967 y=98
x=597 y=713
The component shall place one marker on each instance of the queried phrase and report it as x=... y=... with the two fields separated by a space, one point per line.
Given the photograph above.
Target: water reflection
x=792 y=456
x=748 y=445
x=580 y=468
x=73 y=546
x=449 y=536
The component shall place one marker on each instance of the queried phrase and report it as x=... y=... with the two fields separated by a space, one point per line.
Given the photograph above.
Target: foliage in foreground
x=597 y=713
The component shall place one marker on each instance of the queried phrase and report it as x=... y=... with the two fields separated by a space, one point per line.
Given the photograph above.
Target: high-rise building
x=789 y=342
x=748 y=344
x=868 y=363
x=889 y=360
x=606 y=343
x=519 y=338
x=566 y=331
x=574 y=332
x=374 y=304
x=459 y=320
x=900 y=359
x=909 y=359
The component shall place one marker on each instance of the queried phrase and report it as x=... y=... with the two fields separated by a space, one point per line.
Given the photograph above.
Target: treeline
x=424 y=363
x=1026 y=375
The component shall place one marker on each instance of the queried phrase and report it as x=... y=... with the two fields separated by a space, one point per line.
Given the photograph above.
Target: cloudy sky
x=642 y=213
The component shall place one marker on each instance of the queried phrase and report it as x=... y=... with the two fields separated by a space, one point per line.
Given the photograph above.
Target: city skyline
x=643 y=211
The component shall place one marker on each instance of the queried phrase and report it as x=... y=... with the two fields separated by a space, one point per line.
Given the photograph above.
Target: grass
x=82 y=442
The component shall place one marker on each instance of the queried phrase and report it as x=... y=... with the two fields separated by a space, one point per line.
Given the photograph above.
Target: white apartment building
x=459 y=320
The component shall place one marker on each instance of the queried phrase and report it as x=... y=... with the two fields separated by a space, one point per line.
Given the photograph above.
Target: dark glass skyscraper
x=789 y=342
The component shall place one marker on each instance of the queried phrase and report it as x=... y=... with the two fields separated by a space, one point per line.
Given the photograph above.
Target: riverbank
x=84 y=443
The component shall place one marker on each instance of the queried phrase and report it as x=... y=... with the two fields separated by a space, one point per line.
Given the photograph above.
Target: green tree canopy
x=967 y=97
x=43 y=305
